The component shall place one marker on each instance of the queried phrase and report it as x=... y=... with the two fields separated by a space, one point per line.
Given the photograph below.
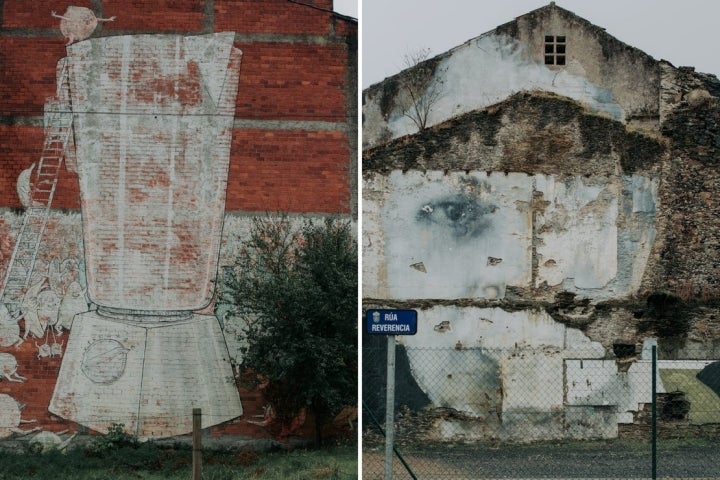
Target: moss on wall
x=528 y=132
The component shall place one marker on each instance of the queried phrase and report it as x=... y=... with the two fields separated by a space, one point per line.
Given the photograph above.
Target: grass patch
x=151 y=462
x=331 y=464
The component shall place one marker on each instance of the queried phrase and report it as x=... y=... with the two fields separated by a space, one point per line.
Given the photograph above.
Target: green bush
x=296 y=291
x=115 y=439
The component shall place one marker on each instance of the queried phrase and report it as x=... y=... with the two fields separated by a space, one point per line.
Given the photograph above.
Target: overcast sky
x=346 y=7
x=685 y=33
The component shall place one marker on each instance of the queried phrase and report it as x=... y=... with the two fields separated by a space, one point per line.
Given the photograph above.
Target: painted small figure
x=8 y=368
x=10 y=420
x=78 y=23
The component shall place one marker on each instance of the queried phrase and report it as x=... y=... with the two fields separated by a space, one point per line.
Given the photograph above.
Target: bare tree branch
x=423 y=86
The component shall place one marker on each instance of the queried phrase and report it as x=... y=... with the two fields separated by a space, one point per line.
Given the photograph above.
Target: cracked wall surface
x=464 y=210
x=607 y=76
x=581 y=194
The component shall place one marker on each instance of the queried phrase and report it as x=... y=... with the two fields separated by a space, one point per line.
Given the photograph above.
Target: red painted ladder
x=58 y=134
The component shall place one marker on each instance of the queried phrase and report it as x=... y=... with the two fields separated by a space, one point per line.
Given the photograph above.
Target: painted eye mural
x=462 y=214
x=455 y=235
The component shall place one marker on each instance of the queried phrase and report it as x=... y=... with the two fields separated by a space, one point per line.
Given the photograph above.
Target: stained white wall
x=483 y=72
x=441 y=234
x=472 y=359
x=579 y=231
x=471 y=235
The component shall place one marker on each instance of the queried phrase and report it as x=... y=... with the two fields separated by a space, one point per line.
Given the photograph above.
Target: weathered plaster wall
x=474 y=234
x=495 y=369
x=542 y=207
x=488 y=201
x=604 y=74
x=628 y=74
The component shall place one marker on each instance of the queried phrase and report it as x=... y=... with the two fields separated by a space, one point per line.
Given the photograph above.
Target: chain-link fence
x=543 y=412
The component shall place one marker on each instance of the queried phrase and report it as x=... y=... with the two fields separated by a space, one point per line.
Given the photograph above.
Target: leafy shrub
x=115 y=439
x=296 y=290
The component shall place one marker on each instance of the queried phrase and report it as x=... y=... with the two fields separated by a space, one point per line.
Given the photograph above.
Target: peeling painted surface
x=153 y=118
x=618 y=158
x=476 y=233
x=598 y=382
x=522 y=376
x=500 y=65
x=491 y=360
x=451 y=224
x=494 y=367
x=374 y=276
x=577 y=232
x=498 y=329
x=609 y=77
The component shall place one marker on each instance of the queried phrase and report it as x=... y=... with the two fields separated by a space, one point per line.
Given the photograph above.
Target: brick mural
x=128 y=141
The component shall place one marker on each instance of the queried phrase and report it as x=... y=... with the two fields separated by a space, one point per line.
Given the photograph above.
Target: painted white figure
x=56 y=349
x=62 y=274
x=73 y=302
x=78 y=23
x=29 y=309
x=49 y=441
x=48 y=308
x=8 y=368
x=268 y=417
x=44 y=350
x=10 y=420
x=9 y=328
x=23 y=186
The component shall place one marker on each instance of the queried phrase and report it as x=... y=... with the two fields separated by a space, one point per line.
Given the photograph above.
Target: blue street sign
x=391 y=322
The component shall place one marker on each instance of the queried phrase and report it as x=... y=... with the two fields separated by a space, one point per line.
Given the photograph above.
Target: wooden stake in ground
x=197 y=445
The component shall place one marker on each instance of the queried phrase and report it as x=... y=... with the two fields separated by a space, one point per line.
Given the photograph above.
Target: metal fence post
x=654 y=412
x=390 y=407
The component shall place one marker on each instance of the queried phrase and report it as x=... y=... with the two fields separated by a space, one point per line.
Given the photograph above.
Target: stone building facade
x=555 y=216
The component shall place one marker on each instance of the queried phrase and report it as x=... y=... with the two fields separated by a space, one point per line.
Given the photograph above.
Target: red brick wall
x=262 y=16
x=293 y=81
x=293 y=146
x=289 y=170
x=154 y=15
x=283 y=82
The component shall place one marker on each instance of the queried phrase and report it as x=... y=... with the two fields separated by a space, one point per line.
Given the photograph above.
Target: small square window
x=555 y=49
